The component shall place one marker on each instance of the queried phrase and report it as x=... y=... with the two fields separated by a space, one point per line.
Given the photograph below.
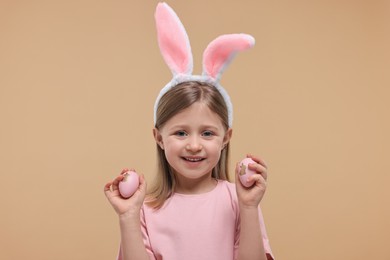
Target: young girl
x=193 y=211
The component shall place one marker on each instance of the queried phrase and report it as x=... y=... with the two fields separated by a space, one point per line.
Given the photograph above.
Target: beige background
x=78 y=81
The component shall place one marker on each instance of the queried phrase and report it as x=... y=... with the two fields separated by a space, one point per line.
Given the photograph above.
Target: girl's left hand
x=251 y=197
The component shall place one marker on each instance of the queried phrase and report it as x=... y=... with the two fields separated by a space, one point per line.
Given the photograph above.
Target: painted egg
x=245 y=172
x=129 y=184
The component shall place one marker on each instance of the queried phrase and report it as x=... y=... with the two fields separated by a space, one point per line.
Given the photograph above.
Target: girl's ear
x=158 y=138
x=227 y=137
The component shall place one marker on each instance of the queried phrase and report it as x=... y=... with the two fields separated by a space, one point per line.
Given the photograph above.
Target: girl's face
x=192 y=141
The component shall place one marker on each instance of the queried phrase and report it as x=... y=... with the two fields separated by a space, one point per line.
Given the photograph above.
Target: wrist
x=247 y=207
x=130 y=224
x=130 y=215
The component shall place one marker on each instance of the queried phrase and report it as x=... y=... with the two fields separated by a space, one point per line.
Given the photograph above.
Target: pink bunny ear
x=173 y=40
x=222 y=50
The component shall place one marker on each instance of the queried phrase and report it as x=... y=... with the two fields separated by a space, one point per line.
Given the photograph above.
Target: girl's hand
x=251 y=197
x=121 y=205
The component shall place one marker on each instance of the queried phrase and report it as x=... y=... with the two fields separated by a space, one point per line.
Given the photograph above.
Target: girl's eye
x=181 y=133
x=208 y=133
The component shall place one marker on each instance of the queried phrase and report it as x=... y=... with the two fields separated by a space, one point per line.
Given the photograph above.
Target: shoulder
x=228 y=191
x=227 y=186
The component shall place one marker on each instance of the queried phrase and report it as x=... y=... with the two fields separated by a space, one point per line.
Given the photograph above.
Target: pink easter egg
x=129 y=184
x=245 y=172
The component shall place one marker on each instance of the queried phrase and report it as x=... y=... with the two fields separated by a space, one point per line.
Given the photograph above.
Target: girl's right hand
x=121 y=205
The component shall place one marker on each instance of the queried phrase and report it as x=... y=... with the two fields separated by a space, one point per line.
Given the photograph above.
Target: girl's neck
x=195 y=186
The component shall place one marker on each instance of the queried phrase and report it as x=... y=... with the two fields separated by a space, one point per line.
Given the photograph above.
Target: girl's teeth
x=193 y=160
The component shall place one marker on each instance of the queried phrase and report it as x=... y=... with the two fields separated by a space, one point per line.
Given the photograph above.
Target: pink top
x=193 y=227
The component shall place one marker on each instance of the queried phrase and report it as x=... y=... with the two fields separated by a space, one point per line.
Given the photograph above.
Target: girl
x=193 y=211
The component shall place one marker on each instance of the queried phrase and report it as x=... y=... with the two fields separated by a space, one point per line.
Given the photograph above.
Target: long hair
x=171 y=103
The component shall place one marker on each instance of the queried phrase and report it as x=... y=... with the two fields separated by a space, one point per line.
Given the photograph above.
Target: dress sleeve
x=145 y=235
x=145 y=238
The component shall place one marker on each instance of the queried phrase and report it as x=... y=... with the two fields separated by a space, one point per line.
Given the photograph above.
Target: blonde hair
x=171 y=103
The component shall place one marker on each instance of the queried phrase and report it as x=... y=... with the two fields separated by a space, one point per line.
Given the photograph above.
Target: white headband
x=176 y=51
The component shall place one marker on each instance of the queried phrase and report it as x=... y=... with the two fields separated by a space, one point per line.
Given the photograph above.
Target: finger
x=264 y=175
x=142 y=182
x=141 y=190
x=258 y=160
x=260 y=169
x=107 y=189
x=124 y=171
x=115 y=183
x=258 y=179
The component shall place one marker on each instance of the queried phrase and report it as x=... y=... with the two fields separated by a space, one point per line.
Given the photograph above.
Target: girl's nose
x=194 y=145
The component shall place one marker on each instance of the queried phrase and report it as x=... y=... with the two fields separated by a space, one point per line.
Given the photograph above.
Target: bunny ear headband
x=176 y=51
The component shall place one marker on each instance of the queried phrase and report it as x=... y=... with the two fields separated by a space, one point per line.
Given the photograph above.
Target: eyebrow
x=213 y=127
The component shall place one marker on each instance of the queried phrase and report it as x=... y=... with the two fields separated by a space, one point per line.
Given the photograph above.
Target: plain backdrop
x=78 y=80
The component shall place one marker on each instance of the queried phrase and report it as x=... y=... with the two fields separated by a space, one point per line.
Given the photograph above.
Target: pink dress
x=196 y=227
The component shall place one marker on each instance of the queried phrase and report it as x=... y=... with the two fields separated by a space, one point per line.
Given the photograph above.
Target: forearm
x=132 y=245
x=251 y=239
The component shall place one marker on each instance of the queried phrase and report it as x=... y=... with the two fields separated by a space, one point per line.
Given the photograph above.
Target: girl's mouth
x=193 y=159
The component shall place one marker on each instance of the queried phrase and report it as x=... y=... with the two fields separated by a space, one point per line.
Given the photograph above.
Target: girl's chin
x=192 y=172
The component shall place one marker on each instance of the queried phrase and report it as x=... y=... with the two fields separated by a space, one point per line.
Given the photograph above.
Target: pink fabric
x=193 y=227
